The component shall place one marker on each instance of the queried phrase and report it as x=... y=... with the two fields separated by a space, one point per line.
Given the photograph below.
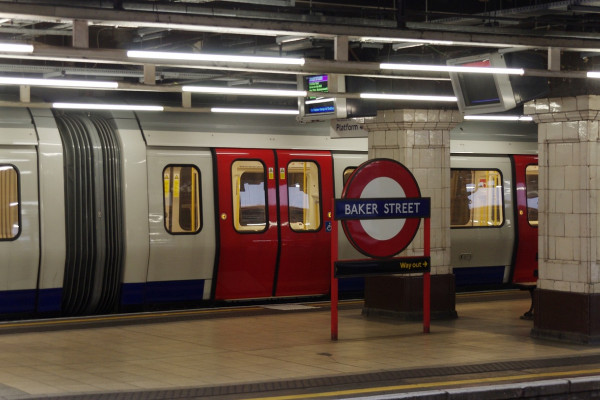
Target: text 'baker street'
x=387 y=208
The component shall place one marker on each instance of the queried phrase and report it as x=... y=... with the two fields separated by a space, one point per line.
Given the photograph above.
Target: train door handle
x=223 y=216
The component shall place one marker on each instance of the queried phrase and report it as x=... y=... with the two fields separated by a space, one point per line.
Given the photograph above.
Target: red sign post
x=381 y=209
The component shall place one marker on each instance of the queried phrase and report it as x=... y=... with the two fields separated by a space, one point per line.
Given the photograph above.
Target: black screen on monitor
x=478 y=89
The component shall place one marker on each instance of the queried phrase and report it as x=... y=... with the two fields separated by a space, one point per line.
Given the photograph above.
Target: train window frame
x=503 y=205
x=529 y=221
x=235 y=215
x=166 y=218
x=19 y=221
x=346 y=176
x=320 y=192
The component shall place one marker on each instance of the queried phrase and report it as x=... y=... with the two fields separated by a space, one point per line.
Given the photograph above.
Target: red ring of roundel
x=353 y=229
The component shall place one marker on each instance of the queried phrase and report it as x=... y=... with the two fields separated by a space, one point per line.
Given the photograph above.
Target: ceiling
x=89 y=40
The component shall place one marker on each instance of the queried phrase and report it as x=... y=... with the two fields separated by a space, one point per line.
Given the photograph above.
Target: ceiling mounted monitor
x=492 y=93
x=482 y=93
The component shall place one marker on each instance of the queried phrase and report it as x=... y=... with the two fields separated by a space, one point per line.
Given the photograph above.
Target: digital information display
x=318 y=105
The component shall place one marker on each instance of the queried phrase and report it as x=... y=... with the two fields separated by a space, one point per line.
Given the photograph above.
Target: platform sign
x=404 y=265
x=381 y=209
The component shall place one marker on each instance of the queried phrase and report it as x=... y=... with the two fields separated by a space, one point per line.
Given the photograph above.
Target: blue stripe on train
x=17 y=301
x=162 y=292
x=24 y=301
x=474 y=276
x=50 y=300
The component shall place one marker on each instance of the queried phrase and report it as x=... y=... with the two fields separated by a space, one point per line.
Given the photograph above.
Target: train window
x=304 y=196
x=476 y=198
x=249 y=196
x=182 y=199
x=347 y=172
x=531 y=186
x=9 y=203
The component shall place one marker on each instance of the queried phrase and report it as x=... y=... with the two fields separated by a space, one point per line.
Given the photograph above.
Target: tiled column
x=568 y=294
x=420 y=140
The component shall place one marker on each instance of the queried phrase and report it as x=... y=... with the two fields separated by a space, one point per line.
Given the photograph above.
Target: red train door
x=305 y=193
x=248 y=234
x=526 y=183
x=274 y=234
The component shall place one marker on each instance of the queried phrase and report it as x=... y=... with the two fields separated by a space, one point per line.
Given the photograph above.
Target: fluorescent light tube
x=59 y=83
x=17 y=48
x=522 y=118
x=593 y=74
x=451 y=68
x=244 y=91
x=160 y=55
x=252 y=111
x=415 y=97
x=406 y=40
x=124 y=107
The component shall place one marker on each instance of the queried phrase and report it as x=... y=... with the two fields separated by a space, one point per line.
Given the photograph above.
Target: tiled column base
x=402 y=297
x=567 y=316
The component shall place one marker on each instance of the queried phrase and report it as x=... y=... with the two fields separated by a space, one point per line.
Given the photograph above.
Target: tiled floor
x=251 y=348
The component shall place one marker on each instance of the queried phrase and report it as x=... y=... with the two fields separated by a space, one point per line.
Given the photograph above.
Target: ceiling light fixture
x=253 y=111
x=59 y=83
x=520 y=118
x=450 y=68
x=593 y=74
x=16 y=48
x=160 y=55
x=416 y=97
x=114 y=107
x=405 y=40
x=244 y=91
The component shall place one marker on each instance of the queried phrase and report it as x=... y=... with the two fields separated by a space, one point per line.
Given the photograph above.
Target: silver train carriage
x=109 y=212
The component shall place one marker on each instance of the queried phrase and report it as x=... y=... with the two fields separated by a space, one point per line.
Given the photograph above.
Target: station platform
x=285 y=352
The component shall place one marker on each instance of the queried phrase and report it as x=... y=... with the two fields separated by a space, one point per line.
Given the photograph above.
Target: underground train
x=104 y=212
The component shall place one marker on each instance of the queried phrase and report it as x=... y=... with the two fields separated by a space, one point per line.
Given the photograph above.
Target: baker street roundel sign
x=388 y=189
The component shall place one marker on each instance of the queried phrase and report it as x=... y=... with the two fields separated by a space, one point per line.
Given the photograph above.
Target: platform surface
x=282 y=352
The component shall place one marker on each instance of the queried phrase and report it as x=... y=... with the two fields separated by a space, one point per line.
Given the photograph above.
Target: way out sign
x=381 y=208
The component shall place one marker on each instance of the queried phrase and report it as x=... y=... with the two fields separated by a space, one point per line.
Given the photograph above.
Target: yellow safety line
x=429 y=385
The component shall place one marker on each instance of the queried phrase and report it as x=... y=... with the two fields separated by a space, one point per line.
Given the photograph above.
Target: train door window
x=182 y=199
x=249 y=196
x=304 y=197
x=531 y=187
x=9 y=203
x=347 y=172
x=476 y=198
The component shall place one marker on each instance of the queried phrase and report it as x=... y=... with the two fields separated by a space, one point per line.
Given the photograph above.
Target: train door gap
x=277 y=177
x=215 y=176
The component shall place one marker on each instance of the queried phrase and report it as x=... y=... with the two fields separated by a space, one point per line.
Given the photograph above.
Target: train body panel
x=482 y=218
x=19 y=211
x=20 y=234
x=182 y=227
x=135 y=209
x=52 y=212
